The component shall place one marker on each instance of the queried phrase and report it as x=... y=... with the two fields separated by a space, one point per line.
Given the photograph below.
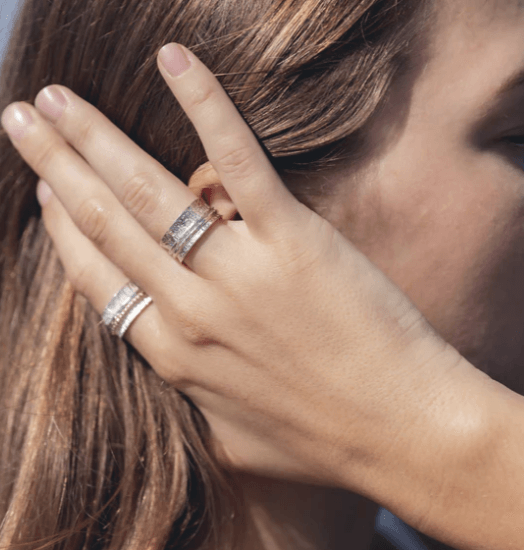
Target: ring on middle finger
x=188 y=228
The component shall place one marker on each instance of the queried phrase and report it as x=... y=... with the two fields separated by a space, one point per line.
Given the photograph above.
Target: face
x=440 y=208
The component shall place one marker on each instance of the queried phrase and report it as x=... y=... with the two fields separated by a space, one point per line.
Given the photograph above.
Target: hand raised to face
x=276 y=326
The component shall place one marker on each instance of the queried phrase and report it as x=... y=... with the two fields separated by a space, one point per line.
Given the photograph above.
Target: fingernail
x=15 y=120
x=174 y=59
x=43 y=192
x=51 y=101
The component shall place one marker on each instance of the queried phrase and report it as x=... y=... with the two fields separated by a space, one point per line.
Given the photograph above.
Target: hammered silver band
x=188 y=228
x=124 y=308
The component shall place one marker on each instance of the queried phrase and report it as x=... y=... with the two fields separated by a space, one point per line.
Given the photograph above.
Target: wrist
x=456 y=472
x=433 y=422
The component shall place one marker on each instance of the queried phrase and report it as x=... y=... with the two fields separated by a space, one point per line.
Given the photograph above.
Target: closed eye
x=515 y=140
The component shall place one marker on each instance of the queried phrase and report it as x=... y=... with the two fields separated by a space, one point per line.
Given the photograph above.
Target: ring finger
x=98 y=279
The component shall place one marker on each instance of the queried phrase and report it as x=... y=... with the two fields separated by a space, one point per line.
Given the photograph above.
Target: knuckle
x=238 y=162
x=194 y=333
x=44 y=157
x=141 y=195
x=303 y=253
x=93 y=221
x=81 y=277
x=202 y=95
x=172 y=364
x=82 y=133
x=194 y=326
x=179 y=374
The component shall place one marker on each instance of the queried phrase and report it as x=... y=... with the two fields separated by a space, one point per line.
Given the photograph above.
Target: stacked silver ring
x=196 y=219
x=124 y=308
x=130 y=300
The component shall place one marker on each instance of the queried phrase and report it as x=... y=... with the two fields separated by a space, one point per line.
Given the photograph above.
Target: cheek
x=439 y=235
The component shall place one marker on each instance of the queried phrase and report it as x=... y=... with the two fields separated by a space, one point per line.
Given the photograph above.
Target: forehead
x=478 y=14
x=476 y=47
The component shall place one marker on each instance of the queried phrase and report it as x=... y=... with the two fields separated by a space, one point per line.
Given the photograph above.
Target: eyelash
x=512 y=140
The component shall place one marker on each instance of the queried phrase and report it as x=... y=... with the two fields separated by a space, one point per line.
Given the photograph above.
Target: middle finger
x=91 y=204
x=148 y=190
x=152 y=194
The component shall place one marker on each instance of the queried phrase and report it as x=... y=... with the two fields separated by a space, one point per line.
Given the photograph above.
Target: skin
x=440 y=175
x=436 y=177
x=444 y=175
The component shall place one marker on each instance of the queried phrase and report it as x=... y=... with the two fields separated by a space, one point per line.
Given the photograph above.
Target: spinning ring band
x=188 y=228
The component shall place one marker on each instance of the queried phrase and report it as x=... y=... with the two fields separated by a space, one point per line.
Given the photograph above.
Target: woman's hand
x=307 y=362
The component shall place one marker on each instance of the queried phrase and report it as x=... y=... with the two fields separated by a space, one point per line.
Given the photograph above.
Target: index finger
x=248 y=176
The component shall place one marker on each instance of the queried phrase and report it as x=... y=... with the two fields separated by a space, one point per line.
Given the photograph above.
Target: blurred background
x=7 y=14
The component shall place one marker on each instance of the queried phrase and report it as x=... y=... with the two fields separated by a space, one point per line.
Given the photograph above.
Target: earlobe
x=206 y=184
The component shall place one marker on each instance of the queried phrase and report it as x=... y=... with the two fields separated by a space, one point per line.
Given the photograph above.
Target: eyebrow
x=515 y=81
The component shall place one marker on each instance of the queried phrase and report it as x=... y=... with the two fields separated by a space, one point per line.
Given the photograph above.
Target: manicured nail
x=174 y=59
x=51 y=101
x=43 y=192
x=15 y=120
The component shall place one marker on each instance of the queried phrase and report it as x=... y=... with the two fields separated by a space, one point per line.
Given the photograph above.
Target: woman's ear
x=206 y=184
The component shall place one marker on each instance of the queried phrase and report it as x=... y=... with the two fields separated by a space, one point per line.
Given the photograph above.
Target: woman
x=130 y=462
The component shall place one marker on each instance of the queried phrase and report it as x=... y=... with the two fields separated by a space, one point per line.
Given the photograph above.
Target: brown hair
x=96 y=451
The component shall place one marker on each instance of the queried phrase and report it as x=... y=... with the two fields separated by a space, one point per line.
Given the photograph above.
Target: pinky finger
x=91 y=273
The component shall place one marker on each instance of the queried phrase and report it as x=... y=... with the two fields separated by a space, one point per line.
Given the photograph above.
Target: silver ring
x=188 y=228
x=124 y=307
x=132 y=314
